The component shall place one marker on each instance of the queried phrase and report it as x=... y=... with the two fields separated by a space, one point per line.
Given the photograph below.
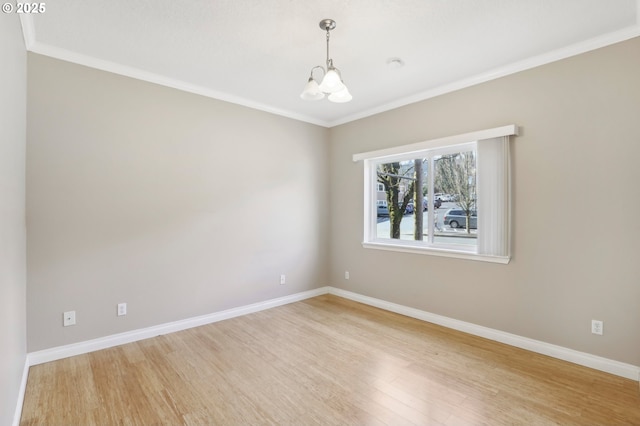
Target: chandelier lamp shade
x=331 y=84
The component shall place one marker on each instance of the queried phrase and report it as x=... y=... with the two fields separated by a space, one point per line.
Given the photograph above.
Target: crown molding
x=28 y=30
x=34 y=46
x=536 y=61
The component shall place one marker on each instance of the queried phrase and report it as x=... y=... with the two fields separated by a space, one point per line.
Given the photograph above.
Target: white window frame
x=499 y=222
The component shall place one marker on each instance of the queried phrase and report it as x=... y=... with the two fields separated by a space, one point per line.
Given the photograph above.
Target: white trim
x=404 y=247
x=33 y=45
x=617 y=368
x=52 y=354
x=23 y=389
x=28 y=30
x=478 y=135
x=493 y=245
x=581 y=358
x=536 y=61
x=138 y=74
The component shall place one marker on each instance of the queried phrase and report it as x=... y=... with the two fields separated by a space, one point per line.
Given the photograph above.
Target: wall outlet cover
x=597 y=327
x=69 y=318
x=122 y=309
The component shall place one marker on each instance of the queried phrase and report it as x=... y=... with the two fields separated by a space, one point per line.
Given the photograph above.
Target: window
x=446 y=197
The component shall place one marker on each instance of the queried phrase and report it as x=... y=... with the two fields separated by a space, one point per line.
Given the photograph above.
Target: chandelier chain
x=328 y=36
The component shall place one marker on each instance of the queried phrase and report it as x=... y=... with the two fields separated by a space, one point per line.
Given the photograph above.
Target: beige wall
x=13 y=97
x=576 y=169
x=176 y=204
x=181 y=205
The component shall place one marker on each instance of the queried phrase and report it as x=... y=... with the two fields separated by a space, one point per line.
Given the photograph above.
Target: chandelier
x=331 y=83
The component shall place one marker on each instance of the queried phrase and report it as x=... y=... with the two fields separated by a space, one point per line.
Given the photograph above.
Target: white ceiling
x=259 y=53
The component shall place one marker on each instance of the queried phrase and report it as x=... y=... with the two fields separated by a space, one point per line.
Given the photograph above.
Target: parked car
x=425 y=205
x=409 y=208
x=457 y=218
x=383 y=209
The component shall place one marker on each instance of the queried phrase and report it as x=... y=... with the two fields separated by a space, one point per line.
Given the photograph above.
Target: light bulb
x=331 y=82
x=342 y=96
x=311 y=91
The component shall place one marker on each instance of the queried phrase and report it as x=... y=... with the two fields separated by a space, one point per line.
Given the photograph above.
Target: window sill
x=432 y=251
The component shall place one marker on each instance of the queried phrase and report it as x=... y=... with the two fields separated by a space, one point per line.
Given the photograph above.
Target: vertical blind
x=493 y=196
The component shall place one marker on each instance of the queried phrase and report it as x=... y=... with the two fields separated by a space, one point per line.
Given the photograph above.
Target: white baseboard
x=23 y=388
x=603 y=364
x=581 y=358
x=59 y=352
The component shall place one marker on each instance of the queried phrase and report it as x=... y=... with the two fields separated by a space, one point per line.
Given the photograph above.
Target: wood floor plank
x=323 y=361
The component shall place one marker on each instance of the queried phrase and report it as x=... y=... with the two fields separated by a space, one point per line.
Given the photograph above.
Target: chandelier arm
x=320 y=67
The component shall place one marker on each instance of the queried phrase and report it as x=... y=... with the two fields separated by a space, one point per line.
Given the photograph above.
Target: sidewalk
x=444 y=234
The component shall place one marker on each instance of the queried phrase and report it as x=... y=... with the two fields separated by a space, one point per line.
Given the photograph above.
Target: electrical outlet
x=122 y=309
x=283 y=279
x=597 y=327
x=69 y=318
x=346 y=275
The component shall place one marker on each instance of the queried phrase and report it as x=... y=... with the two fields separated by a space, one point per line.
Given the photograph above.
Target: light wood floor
x=323 y=361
